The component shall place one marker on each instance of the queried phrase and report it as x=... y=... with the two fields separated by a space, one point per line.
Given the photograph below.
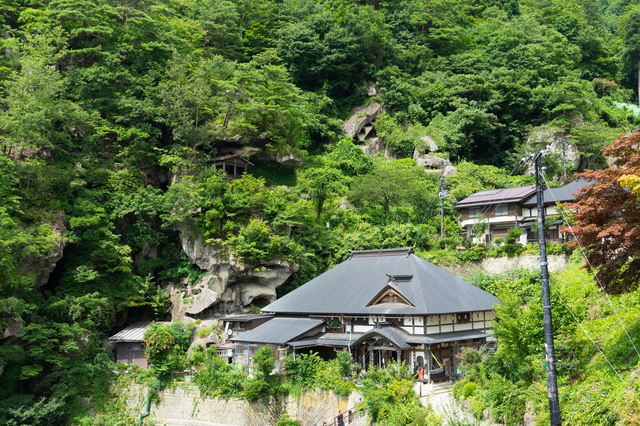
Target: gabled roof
x=497 y=196
x=392 y=334
x=349 y=287
x=228 y=157
x=390 y=288
x=558 y=195
x=278 y=330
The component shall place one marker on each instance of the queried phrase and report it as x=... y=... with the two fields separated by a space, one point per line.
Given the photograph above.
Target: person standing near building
x=340 y=418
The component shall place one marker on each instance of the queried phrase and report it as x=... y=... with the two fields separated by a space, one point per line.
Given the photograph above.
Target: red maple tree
x=607 y=217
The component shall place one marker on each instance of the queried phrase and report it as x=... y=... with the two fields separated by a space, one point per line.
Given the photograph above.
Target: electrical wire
x=592 y=341
x=423 y=219
x=594 y=273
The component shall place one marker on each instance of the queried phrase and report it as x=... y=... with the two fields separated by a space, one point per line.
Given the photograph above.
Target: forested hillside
x=112 y=115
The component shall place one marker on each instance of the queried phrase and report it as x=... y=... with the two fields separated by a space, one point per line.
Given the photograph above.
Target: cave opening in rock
x=260 y=302
x=55 y=276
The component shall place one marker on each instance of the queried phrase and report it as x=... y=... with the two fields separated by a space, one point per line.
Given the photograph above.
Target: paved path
x=441 y=399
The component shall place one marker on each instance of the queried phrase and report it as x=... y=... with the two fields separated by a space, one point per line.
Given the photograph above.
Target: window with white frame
x=474 y=212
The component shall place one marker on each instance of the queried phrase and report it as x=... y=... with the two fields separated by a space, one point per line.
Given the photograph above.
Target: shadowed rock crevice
x=229 y=285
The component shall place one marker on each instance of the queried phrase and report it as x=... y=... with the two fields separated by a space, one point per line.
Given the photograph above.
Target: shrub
x=219 y=378
x=469 y=389
x=457 y=388
x=206 y=331
x=166 y=344
x=287 y=421
x=258 y=388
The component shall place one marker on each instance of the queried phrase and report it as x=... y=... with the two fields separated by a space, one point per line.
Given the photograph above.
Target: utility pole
x=554 y=403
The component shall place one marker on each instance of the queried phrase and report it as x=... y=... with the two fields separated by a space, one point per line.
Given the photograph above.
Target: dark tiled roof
x=278 y=330
x=448 y=337
x=245 y=317
x=395 y=335
x=558 y=195
x=326 y=339
x=349 y=287
x=403 y=340
x=497 y=196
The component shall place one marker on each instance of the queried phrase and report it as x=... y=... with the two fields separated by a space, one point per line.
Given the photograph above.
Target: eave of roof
x=230 y=156
x=245 y=317
x=558 y=195
x=278 y=330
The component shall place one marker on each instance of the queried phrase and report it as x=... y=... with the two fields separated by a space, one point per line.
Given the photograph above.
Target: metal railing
x=350 y=416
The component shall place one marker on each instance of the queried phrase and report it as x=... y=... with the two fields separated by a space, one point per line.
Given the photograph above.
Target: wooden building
x=380 y=305
x=129 y=344
x=517 y=207
x=234 y=165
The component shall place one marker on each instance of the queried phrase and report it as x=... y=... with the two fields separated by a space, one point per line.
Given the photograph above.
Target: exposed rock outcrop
x=429 y=143
x=433 y=164
x=229 y=285
x=288 y=160
x=42 y=267
x=375 y=146
x=12 y=331
x=554 y=137
x=361 y=124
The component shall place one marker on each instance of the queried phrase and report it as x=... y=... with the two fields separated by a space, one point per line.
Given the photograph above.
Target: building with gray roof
x=380 y=305
x=129 y=343
x=503 y=209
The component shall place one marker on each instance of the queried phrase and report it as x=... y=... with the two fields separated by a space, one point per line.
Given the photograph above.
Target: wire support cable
x=423 y=219
x=592 y=341
x=594 y=273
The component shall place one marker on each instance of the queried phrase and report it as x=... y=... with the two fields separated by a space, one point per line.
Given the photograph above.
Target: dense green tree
x=630 y=32
x=387 y=185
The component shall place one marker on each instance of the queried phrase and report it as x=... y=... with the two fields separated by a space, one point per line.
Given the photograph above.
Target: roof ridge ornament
x=382 y=252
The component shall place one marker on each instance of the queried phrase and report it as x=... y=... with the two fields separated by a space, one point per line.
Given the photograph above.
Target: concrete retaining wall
x=184 y=406
x=499 y=265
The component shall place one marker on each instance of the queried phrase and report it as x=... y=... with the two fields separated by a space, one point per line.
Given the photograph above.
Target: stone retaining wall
x=184 y=406
x=499 y=265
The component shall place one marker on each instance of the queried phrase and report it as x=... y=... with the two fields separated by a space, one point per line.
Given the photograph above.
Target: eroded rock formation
x=361 y=124
x=229 y=285
x=42 y=267
x=432 y=163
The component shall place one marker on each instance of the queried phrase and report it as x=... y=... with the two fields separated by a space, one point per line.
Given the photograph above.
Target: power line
x=595 y=274
x=592 y=341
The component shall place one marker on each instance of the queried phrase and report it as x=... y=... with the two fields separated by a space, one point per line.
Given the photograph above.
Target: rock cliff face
x=42 y=267
x=229 y=285
x=433 y=164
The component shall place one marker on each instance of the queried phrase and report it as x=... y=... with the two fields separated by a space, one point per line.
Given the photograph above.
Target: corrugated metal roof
x=349 y=287
x=278 y=330
x=134 y=332
x=560 y=195
x=505 y=195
